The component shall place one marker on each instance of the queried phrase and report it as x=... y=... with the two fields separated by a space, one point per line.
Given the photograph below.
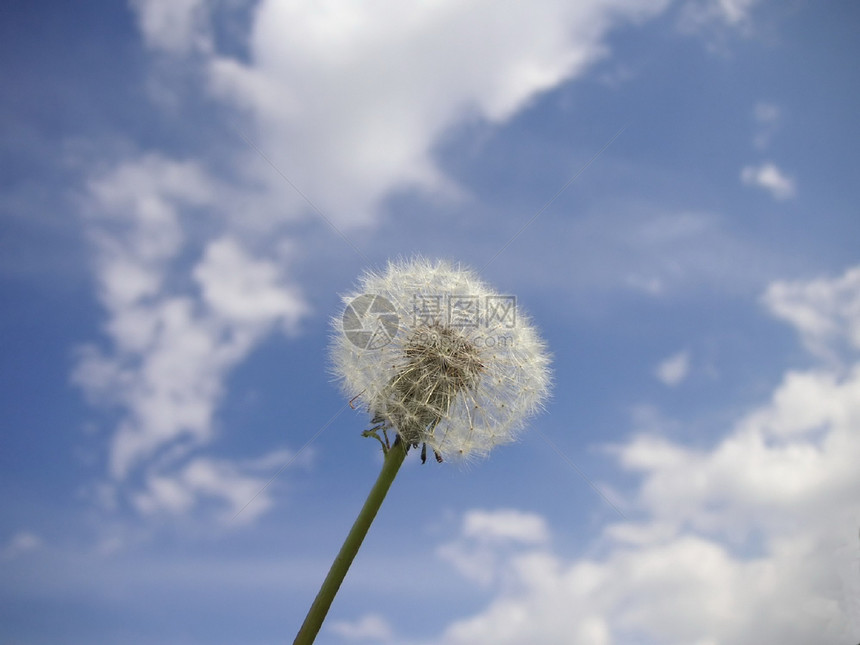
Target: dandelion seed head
x=462 y=384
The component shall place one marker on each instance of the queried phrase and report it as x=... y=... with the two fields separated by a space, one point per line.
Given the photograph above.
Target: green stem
x=313 y=621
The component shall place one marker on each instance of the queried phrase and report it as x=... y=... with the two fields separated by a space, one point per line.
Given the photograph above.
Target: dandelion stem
x=394 y=457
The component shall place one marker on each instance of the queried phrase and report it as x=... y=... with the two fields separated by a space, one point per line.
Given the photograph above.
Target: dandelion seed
x=461 y=368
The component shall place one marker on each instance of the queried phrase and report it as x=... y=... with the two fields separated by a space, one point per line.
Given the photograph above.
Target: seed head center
x=442 y=363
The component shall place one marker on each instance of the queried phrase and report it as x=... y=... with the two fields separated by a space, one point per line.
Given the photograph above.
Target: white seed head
x=439 y=357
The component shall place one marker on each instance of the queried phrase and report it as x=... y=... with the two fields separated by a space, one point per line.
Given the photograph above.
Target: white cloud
x=647 y=250
x=752 y=540
x=235 y=487
x=780 y=457
x=175 y=26
x=238 y=288
x=674 y=369
x=770 y=178
x=696 y=14
x=505 y=525
x=733 y=11
x=362 y=92
x=371 y=627
x=21 y=543
x=826 y=312
x=487 y=536
x=651 y=285
x=766 y=113
x=767 y=118
x=171 y=345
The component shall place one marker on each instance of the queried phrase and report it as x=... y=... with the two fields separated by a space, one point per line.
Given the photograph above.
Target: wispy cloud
x=697 y=14
x=371 y=627
x=823 y=311
x=174 y=26
x=768 y=117
x=488 y=536
x=674 y=369
x=654 y=252
x=172 y=339
x=21 y=543
x=505 y=525
x=229 y=484
x=769 y=177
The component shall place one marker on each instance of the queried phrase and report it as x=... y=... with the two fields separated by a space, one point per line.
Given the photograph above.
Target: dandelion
x=463 y=369
x=439 y=359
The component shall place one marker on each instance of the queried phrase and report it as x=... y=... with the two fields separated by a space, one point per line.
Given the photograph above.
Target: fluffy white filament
x=443 y=359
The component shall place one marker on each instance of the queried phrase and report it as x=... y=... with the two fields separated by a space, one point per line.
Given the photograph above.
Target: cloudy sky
x=669 y=189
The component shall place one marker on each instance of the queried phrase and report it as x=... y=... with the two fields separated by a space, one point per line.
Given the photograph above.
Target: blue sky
x=189 y=186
